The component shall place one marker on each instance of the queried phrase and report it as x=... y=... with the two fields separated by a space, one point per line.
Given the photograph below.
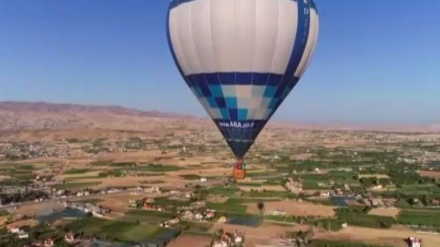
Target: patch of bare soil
x=304 y=156
x=119 y=203
x=119 y=181
x=296 y=208
x=392 y=212
x=431 y=174
x=214 y=171
x=391 y=236
x=22 y=223
x=3 y=220
x=62 y=222
x=190 y=240
x=217 y=199
x=37 y=209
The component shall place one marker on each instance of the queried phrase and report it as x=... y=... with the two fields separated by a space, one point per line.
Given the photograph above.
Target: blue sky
x=376 y=60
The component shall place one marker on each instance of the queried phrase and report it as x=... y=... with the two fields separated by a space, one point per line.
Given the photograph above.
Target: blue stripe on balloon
x=243 y=78
x=235 y=78
x=260 y=79
x=313 y=5
x=302 y=35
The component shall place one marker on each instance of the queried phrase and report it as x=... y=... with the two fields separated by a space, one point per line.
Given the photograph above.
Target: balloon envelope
x=241 y=58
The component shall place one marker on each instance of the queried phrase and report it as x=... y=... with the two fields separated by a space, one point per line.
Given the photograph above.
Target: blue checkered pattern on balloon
x=242 y=98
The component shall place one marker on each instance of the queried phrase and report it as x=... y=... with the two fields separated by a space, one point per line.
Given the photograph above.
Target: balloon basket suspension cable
x=239 y=171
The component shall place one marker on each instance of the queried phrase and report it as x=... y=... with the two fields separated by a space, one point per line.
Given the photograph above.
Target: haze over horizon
x=365 y=70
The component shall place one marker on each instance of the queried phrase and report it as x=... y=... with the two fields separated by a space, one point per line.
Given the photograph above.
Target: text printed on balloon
x=235 y=124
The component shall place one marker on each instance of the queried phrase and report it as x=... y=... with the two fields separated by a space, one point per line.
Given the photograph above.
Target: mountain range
x=42 y=115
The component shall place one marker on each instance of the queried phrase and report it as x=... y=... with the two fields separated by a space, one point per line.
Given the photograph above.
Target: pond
x=66 y=213
x=341 y=200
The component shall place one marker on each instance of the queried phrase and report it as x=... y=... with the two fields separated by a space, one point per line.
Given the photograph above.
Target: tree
x=260 y=206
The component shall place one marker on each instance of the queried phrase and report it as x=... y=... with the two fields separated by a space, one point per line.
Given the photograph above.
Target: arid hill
x=40 y=115
x=21 y=116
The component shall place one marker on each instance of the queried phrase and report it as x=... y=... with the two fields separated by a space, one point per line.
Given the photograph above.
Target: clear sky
x=376 y=60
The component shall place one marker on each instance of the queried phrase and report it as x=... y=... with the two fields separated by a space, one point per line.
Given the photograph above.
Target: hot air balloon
x=241 y=58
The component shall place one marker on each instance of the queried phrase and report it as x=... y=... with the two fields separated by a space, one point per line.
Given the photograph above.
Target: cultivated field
x=431 y=174
x=373 y=176
x=190 y=240
x=394 y=236
x=295 y=208
x=392 y=212
x=119 y=203
x=264 y=231
x=263 y=187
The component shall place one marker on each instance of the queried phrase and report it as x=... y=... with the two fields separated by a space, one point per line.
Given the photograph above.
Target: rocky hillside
x=26 y=115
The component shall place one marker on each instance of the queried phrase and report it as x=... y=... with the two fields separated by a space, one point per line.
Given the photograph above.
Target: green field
x=14 y=166
x=236 y=205
x=152 y=181
x=123 y=164
x=231 y=205
x=163 y=201
x=195 y=226
x=190 y=176
x=358 y=216
x=116 y=230
x=12 y=169
x=336 y=176
x=141 y=212
x=269 y=194
x=19 y=174
x=312 y=185
x=419 y=217
x=114 y=173
x=158 y=168
x=341 y=243
x=249 y=184
x=255 y=175
x=77 y=171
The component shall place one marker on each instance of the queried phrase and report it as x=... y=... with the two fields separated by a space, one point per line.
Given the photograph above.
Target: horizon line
x=331 y=124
